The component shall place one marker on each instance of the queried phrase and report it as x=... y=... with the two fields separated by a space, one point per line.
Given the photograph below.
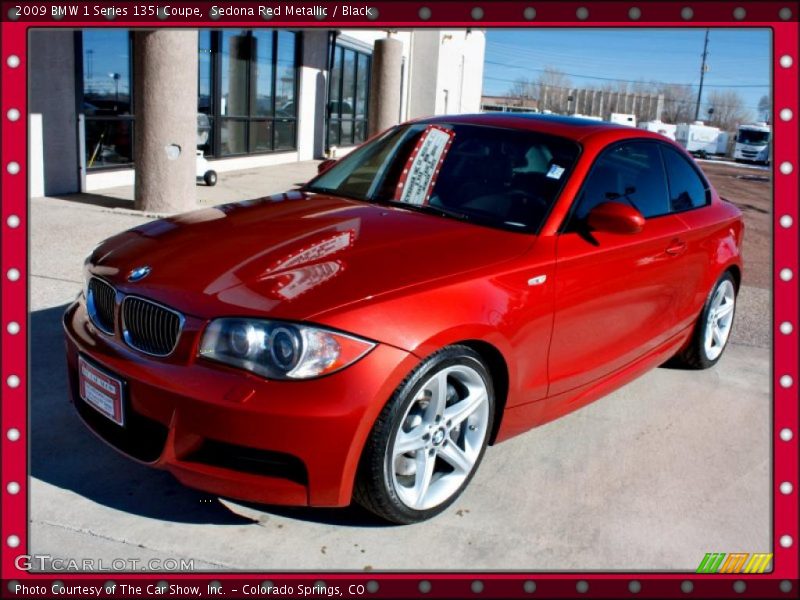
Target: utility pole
x=703 y=70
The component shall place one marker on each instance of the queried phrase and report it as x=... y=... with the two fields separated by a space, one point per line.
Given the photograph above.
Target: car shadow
x=350 y=516
x=65 y=454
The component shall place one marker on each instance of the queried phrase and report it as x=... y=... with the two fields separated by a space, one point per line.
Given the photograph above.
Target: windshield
x=487 y=175
x=747 y=136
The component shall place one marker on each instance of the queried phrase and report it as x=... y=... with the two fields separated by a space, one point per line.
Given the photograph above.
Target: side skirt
x=520 y=419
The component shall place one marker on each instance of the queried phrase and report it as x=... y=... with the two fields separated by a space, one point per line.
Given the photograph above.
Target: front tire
x=429 y=439
x=713 y=328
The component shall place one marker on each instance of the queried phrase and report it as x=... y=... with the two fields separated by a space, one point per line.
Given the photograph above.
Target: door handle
x=676 y=248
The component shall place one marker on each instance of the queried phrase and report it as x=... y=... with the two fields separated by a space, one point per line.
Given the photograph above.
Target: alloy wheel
x=440 y=437
x=719 y=320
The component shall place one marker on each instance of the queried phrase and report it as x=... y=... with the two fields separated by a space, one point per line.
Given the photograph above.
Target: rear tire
x=713 y=327
x=429 y=439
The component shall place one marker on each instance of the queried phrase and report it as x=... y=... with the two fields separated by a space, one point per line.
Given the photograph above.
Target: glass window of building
x=107 y=100
x=205 y=91
x=262 y=73
x=285 y=86
x=258 y=85
x=246 y=99
x=349 y=97
x=236 y=53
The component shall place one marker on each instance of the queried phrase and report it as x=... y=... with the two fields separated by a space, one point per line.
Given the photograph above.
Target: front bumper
x=234 y=434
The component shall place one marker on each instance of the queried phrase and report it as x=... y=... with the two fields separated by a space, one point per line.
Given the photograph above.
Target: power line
x=567 y=52
x=753 y=85
x=599 y=68
x=667 y=98
x=625 y=62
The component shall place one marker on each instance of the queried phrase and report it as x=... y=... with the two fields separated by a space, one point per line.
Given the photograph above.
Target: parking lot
x=653 y=476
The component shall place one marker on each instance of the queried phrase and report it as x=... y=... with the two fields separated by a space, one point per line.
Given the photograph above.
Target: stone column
x=165 y=105
x=384 y=85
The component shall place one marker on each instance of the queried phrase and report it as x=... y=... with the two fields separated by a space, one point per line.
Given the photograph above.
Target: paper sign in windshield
x=555 y=172
x=419 y=175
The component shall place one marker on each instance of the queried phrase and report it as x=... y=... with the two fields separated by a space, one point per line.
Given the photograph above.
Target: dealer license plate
x=101 y=390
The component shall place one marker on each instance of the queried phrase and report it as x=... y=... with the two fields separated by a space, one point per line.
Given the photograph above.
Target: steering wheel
x=525 y=198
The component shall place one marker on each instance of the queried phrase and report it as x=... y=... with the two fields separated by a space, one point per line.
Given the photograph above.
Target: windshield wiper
x=427 y=208
x=330 y=192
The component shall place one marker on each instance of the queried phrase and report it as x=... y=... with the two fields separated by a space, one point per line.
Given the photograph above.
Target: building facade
x=264 y=96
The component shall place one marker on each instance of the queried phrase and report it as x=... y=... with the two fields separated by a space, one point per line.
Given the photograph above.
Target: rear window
x=686 y=188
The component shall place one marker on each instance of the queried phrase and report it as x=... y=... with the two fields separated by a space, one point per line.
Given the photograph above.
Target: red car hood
x=295 y=255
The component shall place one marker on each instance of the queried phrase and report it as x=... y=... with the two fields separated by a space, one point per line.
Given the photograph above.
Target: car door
x=690 y=199
x=616 y=293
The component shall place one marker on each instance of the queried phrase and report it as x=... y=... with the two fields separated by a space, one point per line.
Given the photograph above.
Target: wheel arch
x=736 y=272
x=498 y=369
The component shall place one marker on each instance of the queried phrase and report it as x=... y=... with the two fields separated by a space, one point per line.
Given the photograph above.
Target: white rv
x=722 y=143
x=665 y=129
x=753 y=143
x=698 y=138
x=623 y=119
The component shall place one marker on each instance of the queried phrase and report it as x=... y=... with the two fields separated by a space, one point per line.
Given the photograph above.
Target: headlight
x=280 y=350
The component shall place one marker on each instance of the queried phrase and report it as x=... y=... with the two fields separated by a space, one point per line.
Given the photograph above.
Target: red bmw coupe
x=451 y=283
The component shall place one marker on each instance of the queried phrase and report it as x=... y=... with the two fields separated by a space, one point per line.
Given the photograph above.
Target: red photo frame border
x=781 y=17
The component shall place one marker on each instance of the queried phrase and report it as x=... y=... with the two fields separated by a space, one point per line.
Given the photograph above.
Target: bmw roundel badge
x=139 y=273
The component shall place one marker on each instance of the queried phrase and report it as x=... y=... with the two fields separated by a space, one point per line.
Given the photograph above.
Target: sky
x=736 y=57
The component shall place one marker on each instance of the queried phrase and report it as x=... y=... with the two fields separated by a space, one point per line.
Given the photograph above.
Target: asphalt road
x=653 y=476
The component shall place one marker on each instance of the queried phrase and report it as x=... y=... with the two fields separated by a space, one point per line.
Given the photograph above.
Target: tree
x=729 y=110
x=679 y=101
x=523 y=89
x=554 y=77
x=765 y=108
x=553 y=92
x=550 y=90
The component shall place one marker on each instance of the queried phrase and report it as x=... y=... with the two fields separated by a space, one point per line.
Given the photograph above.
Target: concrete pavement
x=672 y=466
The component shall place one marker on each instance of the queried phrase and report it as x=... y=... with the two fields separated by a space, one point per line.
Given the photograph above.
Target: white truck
x=698 y=138
x=753 y=143
x=623 y=119
x=665 y=129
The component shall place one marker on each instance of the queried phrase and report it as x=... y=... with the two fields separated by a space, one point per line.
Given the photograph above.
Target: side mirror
x=325 y=165
x=615 y=217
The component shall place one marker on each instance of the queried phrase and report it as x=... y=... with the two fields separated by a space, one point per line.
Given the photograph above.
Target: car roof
x=574 y=128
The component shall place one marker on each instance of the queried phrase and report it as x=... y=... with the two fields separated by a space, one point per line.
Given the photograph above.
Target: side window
x=630 y=173
x=686 y=188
